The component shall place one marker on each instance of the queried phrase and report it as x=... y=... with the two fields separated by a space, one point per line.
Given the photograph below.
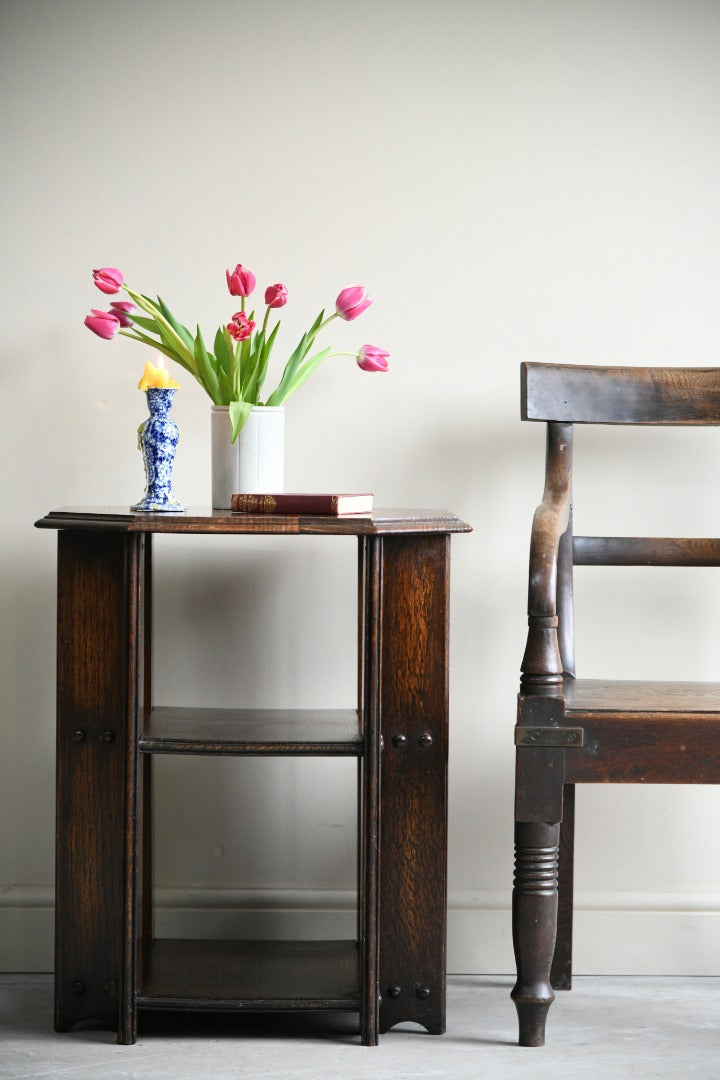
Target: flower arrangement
x=233 y=374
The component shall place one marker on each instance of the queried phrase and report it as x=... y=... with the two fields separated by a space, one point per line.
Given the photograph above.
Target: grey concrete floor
x=605 y=1027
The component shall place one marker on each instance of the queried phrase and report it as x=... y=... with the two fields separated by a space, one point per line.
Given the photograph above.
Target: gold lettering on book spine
x=256 y=504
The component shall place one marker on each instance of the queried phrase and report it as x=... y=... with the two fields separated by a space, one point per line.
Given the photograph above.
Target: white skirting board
x=615 y=933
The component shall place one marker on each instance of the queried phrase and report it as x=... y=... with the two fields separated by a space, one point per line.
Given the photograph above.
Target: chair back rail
x=620 y=395
x=645 y=551
x=562 y=395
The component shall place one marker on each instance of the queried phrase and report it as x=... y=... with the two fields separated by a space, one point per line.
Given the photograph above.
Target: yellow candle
x=157 y=377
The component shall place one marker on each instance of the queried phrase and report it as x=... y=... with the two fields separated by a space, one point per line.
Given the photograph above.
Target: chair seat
x=588 y=697
x=643 y=732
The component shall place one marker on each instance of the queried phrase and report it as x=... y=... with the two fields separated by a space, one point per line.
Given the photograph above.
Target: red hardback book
x=301 y=503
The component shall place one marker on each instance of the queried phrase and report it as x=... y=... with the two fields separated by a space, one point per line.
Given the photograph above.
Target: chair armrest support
x=542 y=664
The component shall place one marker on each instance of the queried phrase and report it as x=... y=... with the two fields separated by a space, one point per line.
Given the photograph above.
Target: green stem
x=325 y=323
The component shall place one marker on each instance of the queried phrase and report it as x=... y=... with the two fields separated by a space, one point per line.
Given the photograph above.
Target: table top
x=203 y=520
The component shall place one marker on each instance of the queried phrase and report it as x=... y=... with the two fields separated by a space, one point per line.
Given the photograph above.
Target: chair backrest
x=620 y=395
x=563 y=395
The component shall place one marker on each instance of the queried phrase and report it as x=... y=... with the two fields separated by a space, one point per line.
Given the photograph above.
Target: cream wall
x=511 y=181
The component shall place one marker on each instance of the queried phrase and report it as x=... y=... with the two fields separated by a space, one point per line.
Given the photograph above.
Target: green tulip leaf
x=316 y=325
x=244 y=366
x=225 y=389
x=167 y=332
x=159 y=347
x=147 y=324
x=223 y=353
x=291 y=367
x=206 y=367
x=306 y=371
x=254 y=369
x=264 y=359
x=239 y=412
x=180 y=330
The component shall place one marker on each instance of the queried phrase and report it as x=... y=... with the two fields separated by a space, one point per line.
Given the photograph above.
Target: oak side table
x=108 y=964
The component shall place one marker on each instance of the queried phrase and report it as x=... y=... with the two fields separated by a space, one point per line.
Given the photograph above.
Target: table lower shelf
x=253 y=976
x=293 y=732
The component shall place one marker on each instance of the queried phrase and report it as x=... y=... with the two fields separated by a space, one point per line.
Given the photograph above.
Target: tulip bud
x=103 y=323
x=241 y=327
x=276 y=296
x=108 y=279
x=122 y=309
x=352 y=302
x=240 y=281
x=370 y=358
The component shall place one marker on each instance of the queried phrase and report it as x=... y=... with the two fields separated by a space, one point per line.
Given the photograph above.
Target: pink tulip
x=241 y=327
x=108 y=280
x=241 y=282
x=103 y=323
x=352 y=302
x=370 y=358
x=122 y=309
x=276 y=296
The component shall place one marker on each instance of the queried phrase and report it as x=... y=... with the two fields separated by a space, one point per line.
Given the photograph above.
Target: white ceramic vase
x=255 y=462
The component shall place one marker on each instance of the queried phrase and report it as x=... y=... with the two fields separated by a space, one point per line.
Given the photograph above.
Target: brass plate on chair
x=549 y=736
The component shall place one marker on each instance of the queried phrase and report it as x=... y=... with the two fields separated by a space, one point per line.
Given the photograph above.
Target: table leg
x=99 y=670
x=413 y=693
x=370 y=583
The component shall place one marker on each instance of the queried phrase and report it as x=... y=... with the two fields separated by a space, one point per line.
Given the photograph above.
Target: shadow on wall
x=27 y=676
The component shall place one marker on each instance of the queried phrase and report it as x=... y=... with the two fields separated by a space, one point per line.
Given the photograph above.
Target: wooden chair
x=578 y=731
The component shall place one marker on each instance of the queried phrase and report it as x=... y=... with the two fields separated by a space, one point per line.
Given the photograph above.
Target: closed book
x=301 y=503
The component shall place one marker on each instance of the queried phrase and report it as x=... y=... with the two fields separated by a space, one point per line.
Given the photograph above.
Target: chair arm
x=542 y=664
x=549 y=523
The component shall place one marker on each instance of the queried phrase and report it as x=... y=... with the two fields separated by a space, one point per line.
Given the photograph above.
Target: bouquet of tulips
x=234 y=372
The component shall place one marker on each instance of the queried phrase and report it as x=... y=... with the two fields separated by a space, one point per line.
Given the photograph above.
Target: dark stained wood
x=370 y=806
x=413 y=836
x=561 y=970
x=96 y=686
x=639 y=699
x=258 y=976
x=535 y=905
x=645 y=551
x=542 y=663
x=565 y=611
x=550 y=522
x=620 y=395
x=671 y=750
x=625 y=732
x=640 y=732
x=135 y=692
x=144 y=832
x=108 y=965
x=329 y=732
x=380 y=523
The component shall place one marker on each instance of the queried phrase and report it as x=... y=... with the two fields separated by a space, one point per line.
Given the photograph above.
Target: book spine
x=284 y=504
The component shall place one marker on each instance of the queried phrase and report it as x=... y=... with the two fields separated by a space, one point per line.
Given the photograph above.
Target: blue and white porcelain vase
x=158 y=439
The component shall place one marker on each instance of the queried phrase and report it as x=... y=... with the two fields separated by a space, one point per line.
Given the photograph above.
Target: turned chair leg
x=561 y=971
x=535 y=908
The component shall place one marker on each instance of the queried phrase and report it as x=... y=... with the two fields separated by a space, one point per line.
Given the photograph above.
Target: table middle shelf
x=280 y=732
